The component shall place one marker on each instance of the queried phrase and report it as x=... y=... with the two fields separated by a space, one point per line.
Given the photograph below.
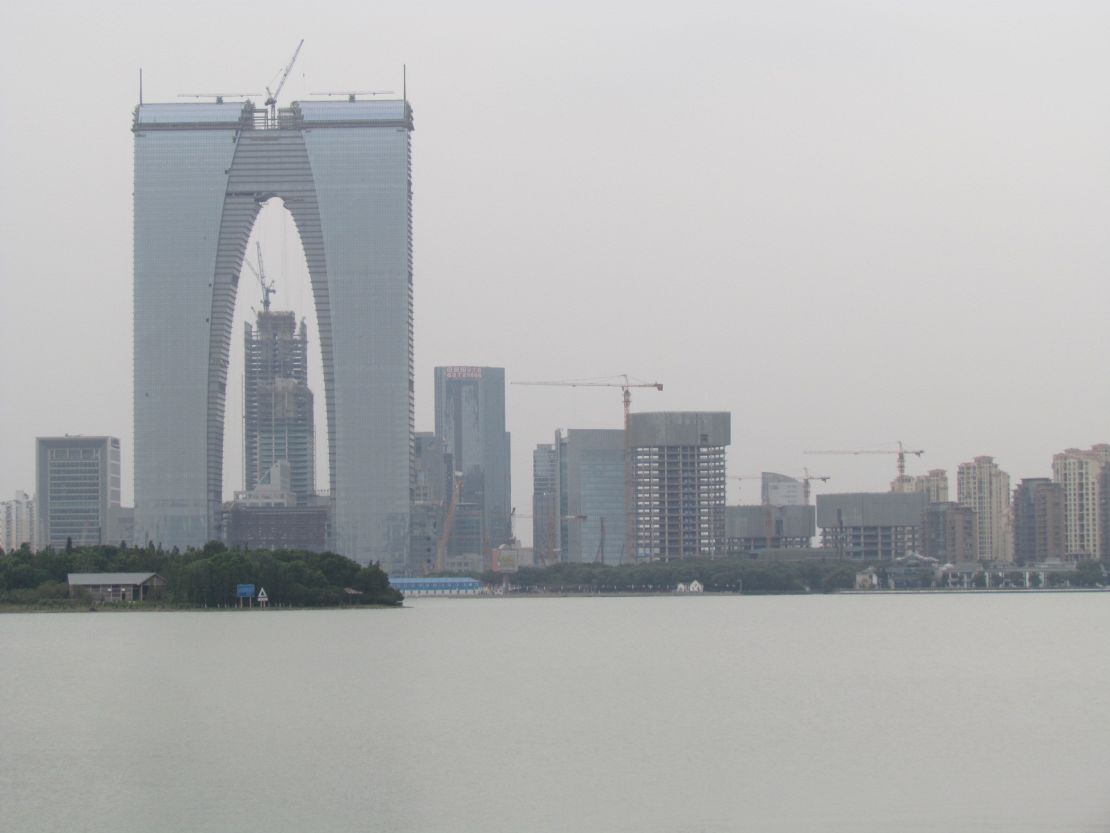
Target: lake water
x=826 y=713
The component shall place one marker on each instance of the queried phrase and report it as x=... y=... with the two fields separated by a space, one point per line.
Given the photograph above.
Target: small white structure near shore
x=694 y=586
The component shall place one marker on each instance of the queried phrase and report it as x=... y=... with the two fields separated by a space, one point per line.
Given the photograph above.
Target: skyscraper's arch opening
x=286 y=270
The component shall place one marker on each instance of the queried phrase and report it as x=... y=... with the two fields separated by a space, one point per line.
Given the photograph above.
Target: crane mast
x=271 y=97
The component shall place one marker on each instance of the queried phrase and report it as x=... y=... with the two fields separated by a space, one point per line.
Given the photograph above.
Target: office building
x=1038 y=521
x=749 y=528
x=546 y=514
x=678 y=460
x=78 y=490
x=202 y=173
x=872 y=526
x=984 y=487
x=470 y=420
x=948 y=532
x=1080 y=474
x=780 y=490
x=591 y=485
x=17 y=523
x=277 y=402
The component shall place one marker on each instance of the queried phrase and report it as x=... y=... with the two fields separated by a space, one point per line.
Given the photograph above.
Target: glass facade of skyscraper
x=202 y=173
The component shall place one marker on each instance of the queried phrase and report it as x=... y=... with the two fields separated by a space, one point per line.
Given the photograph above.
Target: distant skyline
x=847 y=225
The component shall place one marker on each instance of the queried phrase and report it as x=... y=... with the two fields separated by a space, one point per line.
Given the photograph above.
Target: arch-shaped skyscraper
x=202 y=173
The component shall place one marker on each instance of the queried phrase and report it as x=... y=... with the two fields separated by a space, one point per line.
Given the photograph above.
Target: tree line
x=722 y=575
x=205 y=577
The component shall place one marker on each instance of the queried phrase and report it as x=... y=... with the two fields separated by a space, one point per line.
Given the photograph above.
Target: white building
x=983 y=486
x=1081 y=475
x=17 y=523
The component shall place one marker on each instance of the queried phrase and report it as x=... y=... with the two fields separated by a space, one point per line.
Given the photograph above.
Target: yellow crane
x=629 y=554
x=448 y=523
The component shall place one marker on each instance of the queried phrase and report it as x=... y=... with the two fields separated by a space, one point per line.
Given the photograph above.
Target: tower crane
x=806 y=478
x=271 y=97
x=901 y=451
x=629 y=554
x=260 y=273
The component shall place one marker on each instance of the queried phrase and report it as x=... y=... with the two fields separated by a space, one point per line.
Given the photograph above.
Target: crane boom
x=271 y=97
x=901 y=451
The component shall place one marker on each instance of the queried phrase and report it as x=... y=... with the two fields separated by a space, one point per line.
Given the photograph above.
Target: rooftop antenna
x=260 y=273
x=271 y=97
x=404 y=83
x=140 y=86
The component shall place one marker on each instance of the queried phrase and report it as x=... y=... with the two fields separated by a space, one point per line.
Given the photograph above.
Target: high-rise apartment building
x=470 y=420
x=277 y=403
x=934 y=485
x=202 y=173
x=983 y=486
x=1038 y=521
x=948 y=532
x=78 y=485
x=1080 y=474
x=17 y=523
x=678 y=460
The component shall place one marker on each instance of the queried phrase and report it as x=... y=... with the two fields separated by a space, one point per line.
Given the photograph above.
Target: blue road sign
x=244 y=591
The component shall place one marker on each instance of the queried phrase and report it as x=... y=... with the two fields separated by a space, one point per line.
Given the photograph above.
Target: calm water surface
x=838 y=713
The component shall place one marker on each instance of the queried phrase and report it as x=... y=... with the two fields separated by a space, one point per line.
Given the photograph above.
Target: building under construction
x=678 y=460
x=871 y=526
x=766 y=527
x=277 y=402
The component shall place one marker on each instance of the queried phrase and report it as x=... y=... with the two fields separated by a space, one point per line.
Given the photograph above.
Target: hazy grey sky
x=846 y=222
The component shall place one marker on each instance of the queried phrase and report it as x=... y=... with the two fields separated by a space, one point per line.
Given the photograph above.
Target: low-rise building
x=117 y=587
